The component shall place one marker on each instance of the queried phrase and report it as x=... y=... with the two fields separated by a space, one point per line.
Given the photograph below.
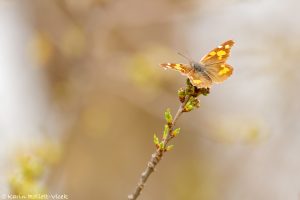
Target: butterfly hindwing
x=218 y=55
x=218 y=72
x=200 y=79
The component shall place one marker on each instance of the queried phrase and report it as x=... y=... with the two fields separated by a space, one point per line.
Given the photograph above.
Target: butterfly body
x=197 y=66
x=212 y=68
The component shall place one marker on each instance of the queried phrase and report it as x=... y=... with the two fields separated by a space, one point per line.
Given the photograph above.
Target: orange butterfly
x=212 y=68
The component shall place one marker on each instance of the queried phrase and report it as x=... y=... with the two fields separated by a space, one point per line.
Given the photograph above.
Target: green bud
x=188 y=82
x=170 y=147
x=176 y=132
x=190 y=90
x=196 y=103
x=155 y=140
x=203 y=91
x=181 y=95
x=166 y=132
x=192 y=104
x=168 y=116
x=161 y=145
x=188 y=108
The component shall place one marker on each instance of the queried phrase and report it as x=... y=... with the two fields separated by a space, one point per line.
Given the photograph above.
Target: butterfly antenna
x=186 y=57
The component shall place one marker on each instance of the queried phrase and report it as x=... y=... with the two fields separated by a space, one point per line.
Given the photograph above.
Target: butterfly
x=212 y=68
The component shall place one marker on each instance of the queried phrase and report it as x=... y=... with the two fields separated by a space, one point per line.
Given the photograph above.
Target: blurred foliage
x=41 y=48
x=241 y=130
x=73 y=42
x=194 y=181
x=32 y=167
x=95 y=120
x=143 y=70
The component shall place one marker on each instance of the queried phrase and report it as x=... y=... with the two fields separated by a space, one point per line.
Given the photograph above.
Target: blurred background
x=81 y=94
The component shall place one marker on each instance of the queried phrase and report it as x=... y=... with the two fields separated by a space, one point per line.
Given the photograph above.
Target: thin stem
x=156 y=157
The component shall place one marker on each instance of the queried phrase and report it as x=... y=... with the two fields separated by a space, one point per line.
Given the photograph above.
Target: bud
x=188 y=82
x=166 y=132
x=203 y=91
x=175 y=132
x=168 y=116
x=181 y=95
x=155 y=140
x=169 y=148
x=161 y=145
x=191 y=104
x=196 y=103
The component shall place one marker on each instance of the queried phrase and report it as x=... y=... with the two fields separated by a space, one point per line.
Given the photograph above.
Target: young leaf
x=176 y=132
x=161 y=145
x=188 y=106
x=181 y=95
x=168 y=116
x=170 y=147
x=155 y=140
x=166 y=132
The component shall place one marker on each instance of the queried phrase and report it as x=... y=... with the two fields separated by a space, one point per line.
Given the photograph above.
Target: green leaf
x=161 y=145
x=170 y=147
x=168 y=116
x=166 y=132
x=155 y=139
x=176 y=132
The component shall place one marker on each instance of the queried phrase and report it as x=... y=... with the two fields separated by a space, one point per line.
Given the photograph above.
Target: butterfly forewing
x=218 y=55
x=183 y=68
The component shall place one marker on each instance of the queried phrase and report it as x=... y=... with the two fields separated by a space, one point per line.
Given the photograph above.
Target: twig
x=189 y=101
x=156 y=157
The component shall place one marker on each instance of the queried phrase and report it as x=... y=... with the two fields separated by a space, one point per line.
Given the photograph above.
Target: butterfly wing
x=183 y=68
x=218 y=55
x=200 y=79
x=218 y=72
x=214 y=63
